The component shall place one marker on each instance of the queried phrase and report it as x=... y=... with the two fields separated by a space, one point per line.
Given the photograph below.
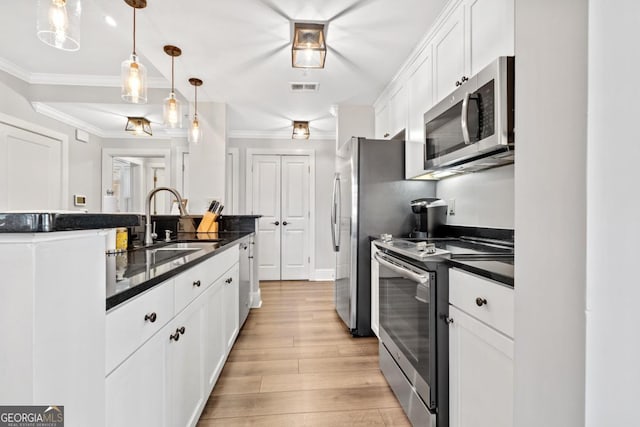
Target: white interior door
x=295 y=218
x=30 y=170
x=266 y=179
x=280 y=193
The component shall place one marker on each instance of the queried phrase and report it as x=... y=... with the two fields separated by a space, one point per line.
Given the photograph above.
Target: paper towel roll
x=110 y=204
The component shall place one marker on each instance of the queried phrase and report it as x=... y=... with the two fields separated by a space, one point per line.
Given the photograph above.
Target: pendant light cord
x=196 y=113
x=134 y=30
x=172 y=60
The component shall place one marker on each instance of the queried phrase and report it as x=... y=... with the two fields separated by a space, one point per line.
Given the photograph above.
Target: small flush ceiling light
x=195 y=133
x=139 y=126
x=300 y=130
x=133 y=73
x=308 y=49
x=171 y=108
x=58 y=23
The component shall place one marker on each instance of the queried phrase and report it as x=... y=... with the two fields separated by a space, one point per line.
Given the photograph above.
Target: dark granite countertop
x=135 y=271
x=37 y=222
x=498 y=270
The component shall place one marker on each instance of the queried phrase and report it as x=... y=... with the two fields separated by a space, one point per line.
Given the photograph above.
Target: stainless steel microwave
x=472 y=128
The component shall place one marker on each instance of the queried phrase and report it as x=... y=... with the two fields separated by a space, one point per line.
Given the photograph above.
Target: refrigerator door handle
x=334 y=215
x=338 y=207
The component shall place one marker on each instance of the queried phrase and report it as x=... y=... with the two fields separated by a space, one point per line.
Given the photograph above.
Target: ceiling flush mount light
x=300 y=130
x=171 y=108
x=139 y=126
x=309 y=49
x=195 y=133
x=133 y=73
x=58 y=23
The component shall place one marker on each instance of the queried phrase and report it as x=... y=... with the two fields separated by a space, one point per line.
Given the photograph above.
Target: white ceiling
x=241 y=49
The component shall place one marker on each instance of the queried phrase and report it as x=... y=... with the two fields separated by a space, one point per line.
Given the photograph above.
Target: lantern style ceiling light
x=308 y=49
x=139 y=126
x=171 y=108
x=195 y=133
x=58 y=23
x=300 y=130
x=133 y=73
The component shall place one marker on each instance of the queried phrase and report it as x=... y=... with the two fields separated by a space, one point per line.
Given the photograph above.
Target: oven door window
x=405 y=316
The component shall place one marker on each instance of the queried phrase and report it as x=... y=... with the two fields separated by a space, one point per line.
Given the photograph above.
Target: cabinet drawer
x=486 y=300
x=131 y=324
x=193 y=282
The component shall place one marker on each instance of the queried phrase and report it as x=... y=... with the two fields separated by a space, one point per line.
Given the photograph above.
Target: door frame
x=311 y=153
x=232 y=191
x=65 y=202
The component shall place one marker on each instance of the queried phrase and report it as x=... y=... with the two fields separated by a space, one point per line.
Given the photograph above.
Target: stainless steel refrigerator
x=370 y=197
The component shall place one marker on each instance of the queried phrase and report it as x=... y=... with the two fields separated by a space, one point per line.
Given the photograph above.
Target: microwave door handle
x=464 y=122
x=413 y=276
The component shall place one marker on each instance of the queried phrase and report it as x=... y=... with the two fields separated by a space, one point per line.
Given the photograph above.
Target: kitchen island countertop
x=135 y=271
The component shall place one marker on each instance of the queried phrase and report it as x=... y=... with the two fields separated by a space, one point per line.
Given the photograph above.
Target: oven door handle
x=408 y=274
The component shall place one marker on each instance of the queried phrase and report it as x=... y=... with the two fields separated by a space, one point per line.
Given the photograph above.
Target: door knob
x=285 y=223
x=276 y=223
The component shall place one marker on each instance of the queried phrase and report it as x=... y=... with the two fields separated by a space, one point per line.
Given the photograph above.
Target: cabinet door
x=490 y=31
x=231 y=306
x=184 y=357
x=398 y=104
x=449 y=54
x=480 y=374
x=136 y=390
x=382 y=122
x=214 y=334
x=420 y=87
x=375 y=292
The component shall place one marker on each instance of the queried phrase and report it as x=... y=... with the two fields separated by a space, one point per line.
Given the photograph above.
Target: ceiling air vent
x=304 y=87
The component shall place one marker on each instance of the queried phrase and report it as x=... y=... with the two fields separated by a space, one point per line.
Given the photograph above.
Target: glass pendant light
x=133 y=73
x=195 y=133
x=171 y=108
x=58 y=23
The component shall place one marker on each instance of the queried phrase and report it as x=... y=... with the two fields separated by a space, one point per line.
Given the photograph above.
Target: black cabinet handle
x=229 y=280
x=150 y=317
x=480 y=302
x=180 y=330
x=196 y=283
x=285 y=223
x=458 y=83
x=276 y=223
x=175 y=337
x=464 y=79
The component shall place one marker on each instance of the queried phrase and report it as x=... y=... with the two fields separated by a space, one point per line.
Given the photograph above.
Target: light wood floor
x=294 y=364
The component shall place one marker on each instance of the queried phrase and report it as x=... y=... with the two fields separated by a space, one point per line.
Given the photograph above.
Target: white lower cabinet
x=167 y=379
x=136 y=392
x=184 y=364
x=480 y=354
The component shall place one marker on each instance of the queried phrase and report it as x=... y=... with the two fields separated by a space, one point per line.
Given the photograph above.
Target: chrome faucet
x=148 y=238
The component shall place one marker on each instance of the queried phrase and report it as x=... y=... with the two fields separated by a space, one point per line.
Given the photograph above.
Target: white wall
x=613 y=224
x=353 y=120
x=325 y=160
x=550 y=212
x=84 y=158
x=482 y=199
x=207 y=159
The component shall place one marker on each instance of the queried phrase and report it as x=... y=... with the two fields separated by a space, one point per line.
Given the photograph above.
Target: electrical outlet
x=452 y=207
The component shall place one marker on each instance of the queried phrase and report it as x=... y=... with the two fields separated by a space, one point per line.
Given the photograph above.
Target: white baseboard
x=256 y=299
x=323 y=274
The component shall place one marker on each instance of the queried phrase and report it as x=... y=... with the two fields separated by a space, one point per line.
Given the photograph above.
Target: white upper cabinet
x=398 y=111
x=490 y=31
x=450 y=54
x=420 y=88
x=382 y=122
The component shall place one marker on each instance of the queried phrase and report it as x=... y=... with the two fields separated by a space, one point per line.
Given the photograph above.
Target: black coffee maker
x=430 y=214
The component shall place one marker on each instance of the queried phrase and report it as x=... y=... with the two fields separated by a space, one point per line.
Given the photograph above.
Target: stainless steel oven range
x=413 y=315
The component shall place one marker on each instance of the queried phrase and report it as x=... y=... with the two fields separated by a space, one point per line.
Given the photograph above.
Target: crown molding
x=252 y=134
x=73 y=79
x=47 y=110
